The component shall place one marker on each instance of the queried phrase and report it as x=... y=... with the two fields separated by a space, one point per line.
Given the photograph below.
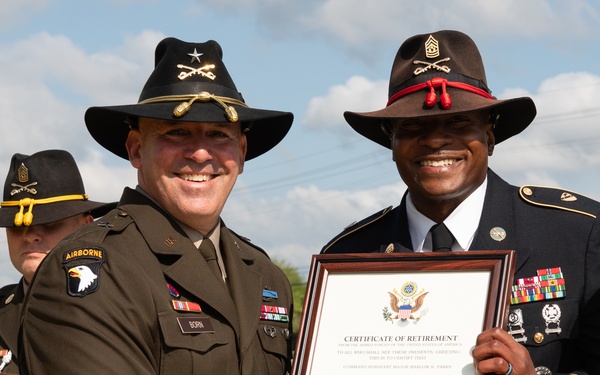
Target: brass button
x=538 y=338
x=527 y=191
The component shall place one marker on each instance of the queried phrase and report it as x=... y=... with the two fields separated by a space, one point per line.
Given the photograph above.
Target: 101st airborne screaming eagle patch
x=82 y=267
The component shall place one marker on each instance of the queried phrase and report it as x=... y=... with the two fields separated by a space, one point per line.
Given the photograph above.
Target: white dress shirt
x=462 y=222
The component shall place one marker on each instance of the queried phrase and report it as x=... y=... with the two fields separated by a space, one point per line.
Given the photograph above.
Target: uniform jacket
x=126 y=321
x=547 y=228
x=11 y=300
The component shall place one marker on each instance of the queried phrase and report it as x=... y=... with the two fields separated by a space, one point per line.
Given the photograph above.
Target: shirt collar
x=462 y=222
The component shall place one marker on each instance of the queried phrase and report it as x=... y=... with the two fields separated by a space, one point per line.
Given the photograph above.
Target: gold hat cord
x=27 y=218
x=202 y=96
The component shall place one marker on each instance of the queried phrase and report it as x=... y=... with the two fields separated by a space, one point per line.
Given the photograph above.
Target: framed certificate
x=416 y=313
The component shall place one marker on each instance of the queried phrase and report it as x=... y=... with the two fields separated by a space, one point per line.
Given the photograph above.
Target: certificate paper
x=366 y=318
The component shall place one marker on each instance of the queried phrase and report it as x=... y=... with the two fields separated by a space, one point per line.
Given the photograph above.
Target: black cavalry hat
x=189 y=83
x=43 y=188
x=436 y=74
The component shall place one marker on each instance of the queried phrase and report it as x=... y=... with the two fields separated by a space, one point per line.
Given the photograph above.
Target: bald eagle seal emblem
x=405 y=305
x=82 y=267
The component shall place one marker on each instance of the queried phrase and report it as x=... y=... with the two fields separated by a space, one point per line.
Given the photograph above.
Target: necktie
x=207 y=249
x=441 y=238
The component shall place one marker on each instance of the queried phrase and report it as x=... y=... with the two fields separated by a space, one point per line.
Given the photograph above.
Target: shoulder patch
x=82 y=267
x=560 y=199
x=358 y=225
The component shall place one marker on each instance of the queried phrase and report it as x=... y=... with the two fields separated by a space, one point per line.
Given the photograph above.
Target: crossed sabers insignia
x=201 y=70
x=21 y=188
x=428 y=66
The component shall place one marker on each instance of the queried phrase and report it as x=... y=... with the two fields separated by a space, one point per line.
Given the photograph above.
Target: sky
x=315 y=59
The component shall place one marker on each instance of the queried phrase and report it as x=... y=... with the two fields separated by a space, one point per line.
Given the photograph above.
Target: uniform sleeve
x=589 y=344
x=79 y=316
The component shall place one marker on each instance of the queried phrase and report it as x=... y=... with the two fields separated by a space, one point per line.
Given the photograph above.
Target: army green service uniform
x=11 y=300
x=140 y=299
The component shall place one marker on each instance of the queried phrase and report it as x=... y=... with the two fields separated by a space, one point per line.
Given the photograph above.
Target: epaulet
x=7 y=289
x=115 y=221
x=247 y=241
x=560 y=199
x=353 y=227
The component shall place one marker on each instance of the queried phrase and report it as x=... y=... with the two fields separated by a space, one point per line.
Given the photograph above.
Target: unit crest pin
x=204 y=71
x=498 y=234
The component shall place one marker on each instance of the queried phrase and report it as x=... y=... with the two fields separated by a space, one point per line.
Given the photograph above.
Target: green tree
x=299 y=291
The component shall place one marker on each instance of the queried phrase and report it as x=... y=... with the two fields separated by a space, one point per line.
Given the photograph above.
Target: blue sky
x=316 y=59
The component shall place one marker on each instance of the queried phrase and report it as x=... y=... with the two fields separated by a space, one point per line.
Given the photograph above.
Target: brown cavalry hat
x=43 y=188
x=189 y=83
x=437 y=74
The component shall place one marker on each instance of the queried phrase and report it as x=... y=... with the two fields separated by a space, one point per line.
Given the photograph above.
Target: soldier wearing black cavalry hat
x=442 y=124
x=44 y=200
x=161 y=285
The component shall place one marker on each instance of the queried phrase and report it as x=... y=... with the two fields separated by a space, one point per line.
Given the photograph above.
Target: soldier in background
x=44 y=200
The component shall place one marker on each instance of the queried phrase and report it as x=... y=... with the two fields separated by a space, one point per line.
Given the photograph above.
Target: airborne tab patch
x=82 y=267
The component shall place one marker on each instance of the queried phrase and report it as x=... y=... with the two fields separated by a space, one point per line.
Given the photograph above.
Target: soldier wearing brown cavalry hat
x=43 y=201
x=162 y=285
x=442 y=122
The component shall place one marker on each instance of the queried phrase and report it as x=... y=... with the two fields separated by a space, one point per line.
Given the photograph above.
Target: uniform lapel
x=189 y=269
x=244 y=280
x=498 y=220
x=401 y=225
x=188 y=273
x=10 y=315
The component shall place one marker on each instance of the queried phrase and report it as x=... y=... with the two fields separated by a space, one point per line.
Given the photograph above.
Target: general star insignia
x=195 y=56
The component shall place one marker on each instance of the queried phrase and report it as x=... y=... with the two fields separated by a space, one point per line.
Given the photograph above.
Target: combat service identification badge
x=82 y=267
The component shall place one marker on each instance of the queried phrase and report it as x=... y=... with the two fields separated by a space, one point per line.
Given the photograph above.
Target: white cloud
x=42 y=80
x=565 y=135
x=105 y=175
x=46 y=83
x=357 y=94
x=363 y=23
x=301 y=223
x=13 y=12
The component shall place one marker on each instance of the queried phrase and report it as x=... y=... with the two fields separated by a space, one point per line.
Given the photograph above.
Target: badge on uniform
x=269 y=295
x=173 y=291
x=195 y=324
x=551 y=314
x=548 y=284
x=515 y=326
x=275 y=313
x=82 y=267
x=6 y=358
x=186 y=306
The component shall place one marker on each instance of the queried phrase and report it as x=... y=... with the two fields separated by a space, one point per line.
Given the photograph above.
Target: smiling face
x=28 y=245
x=442 y=159
x=189 y=168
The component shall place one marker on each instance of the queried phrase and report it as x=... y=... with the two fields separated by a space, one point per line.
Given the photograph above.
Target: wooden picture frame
x=417 y=313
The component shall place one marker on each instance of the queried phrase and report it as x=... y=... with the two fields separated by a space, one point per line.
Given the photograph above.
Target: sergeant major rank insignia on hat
x=43 y=188
x=441 y=73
